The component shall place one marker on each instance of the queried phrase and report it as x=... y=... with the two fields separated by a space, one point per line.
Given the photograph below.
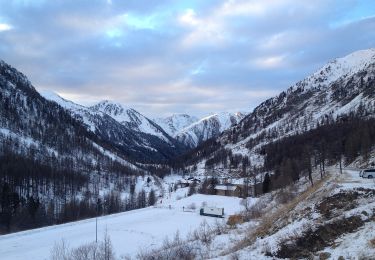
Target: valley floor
x=129 y=232
x=335 y=218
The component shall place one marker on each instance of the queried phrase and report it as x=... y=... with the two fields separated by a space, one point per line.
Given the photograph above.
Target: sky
x=165 y=57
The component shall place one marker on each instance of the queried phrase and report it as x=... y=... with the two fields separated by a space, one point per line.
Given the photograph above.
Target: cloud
x=5 y=27
x=270 y=62
x=179 y=56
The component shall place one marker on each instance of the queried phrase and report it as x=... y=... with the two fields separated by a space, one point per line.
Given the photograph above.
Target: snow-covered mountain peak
x=349 y=64
x=358 y=59
x=338 y=68
x=174 y=123
x=339 y=88
x=11 y=74
x=208 y=127
x=122 y=114
x=114 y=109
x=125 y=127
x=131 y=118
x=224 y=119
x=53 y=96
x=192 y=131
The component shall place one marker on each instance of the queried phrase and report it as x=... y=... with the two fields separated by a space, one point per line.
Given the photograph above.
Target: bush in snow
x=204 y=233
x=219 y=228
x=170 y=250
x=256 y=211
x=92 y=251
x=372 y=243
x=233 y=220
x=192 y=206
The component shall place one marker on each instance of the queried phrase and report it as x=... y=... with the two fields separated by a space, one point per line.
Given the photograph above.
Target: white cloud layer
x=179 y=56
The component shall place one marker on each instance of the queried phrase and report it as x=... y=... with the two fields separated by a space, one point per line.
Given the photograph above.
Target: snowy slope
x=340 y=67
x=175 y=123
x=35 y=123
x=208 y=127
x=342 y=86
x=131 y=118
x=85 y=114
x=129 y=231
x=136 y=135
x=192 y=131
x=335 y=218
x=336 y=89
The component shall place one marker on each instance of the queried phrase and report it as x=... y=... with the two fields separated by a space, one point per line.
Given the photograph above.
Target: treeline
x=110 y=203
x=34 y=195
x=338 y=142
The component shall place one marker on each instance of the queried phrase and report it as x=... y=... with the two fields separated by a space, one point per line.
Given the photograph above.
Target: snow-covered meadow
x=129 y=232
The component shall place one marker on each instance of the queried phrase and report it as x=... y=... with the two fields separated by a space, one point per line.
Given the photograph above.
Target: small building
x=187 y=182
x=212 y=212
x=228 y=189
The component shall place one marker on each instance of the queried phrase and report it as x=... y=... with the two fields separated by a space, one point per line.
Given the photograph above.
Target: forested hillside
x=326 y=118
x=134 y=135
x=335 y=143
x=52 y=167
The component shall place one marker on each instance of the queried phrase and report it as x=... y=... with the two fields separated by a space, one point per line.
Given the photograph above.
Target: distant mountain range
x=123 y=134
x=133 y=134
x=187 y=130
x=192 y=131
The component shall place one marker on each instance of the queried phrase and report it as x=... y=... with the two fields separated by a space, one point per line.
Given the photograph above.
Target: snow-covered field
x=129 y=232
x=146 y=229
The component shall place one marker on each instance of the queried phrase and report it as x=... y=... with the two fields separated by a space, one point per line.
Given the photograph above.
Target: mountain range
x=56 y=155
x=342 y=87
x=192 y=131
x=178 y=130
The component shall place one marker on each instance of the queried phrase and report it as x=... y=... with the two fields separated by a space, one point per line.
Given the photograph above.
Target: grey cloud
x=64 y=46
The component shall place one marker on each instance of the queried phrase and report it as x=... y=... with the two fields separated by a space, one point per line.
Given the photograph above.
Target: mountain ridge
x=143 y=147
x=193 y=131
x=339 y=88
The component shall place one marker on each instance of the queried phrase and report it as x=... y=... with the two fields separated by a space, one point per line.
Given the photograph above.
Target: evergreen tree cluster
x=34 y=195
x=338 y=142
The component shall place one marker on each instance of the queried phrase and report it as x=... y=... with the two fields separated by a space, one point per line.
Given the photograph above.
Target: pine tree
x=141 y=199
x=151 y=198
x=266 y=183
x=192 y=189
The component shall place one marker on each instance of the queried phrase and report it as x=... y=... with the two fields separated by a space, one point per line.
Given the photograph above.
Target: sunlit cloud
x=189 y=18
x=5 y=27
x=234 y=8
x=270 y=62
x=204 y=31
